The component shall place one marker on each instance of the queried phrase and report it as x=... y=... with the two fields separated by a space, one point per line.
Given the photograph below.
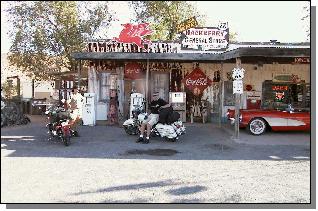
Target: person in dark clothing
x=153 y=117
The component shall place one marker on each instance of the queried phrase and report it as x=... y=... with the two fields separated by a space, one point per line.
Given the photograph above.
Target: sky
x=252 y=21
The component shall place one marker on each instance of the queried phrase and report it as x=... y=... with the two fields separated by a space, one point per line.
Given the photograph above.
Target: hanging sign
x=238 y=74
x=134 y=34
x=133 y=71
x=187 y=24
x=197 y=81
x=238 y=87
x=205 y=38
x=279 y=88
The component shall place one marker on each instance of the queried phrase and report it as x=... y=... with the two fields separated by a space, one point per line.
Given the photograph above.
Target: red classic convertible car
x=257 y=121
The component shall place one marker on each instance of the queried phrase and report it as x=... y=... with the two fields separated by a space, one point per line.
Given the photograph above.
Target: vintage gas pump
x=136 y=101
x=178 y=103
x=89 y=109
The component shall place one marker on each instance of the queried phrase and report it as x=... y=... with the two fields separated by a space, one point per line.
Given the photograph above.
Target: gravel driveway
x=105 y=165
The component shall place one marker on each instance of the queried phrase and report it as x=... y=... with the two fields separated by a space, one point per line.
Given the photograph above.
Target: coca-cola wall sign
x=133 y=71
x=197 y=81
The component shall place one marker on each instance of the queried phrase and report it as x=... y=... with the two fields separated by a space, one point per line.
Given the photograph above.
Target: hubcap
x=257 y=127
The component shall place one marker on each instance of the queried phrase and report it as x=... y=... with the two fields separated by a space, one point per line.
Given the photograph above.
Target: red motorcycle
x=59 y=126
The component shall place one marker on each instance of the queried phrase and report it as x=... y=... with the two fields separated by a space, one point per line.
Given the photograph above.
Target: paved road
x=105 y=165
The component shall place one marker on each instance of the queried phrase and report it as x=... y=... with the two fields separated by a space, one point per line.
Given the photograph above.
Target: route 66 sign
x=238 y=74
x=223 y=25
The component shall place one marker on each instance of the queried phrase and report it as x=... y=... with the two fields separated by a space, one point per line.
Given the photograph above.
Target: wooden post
x=221 y=96
x=79 y=71
x=237 y=107
x=32 y=88
x=147 y=78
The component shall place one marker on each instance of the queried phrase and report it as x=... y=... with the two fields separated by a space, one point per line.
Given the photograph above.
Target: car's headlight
x=240 y=119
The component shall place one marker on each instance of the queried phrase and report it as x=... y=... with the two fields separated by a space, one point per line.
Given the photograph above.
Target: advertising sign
x=134 y=34
x=133 y=71
x=302 y=60
x=238 y=87
x=187 y=24
x=205 y=38
x=197 y=81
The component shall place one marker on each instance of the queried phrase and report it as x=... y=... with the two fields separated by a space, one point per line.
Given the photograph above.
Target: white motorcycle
x=170 y=132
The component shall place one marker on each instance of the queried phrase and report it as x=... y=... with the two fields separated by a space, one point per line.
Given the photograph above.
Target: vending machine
x=178 y=103
x=89 y=109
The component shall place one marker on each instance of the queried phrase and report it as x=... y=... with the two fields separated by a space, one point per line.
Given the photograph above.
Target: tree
x=164 y=16
x=46 y=33
x=9 y=90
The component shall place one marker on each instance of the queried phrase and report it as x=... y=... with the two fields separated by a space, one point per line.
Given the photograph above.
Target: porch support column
x=79 y=71
x=147 y=78
x=237 y=107
x=221 y=96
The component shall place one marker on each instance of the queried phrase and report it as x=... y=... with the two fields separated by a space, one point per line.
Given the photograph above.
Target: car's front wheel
x=257 y=126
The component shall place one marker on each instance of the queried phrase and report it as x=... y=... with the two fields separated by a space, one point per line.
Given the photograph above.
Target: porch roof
x=272 y=52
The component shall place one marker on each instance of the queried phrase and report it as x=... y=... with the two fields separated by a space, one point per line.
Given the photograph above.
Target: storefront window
x=229 y=97
x=160 y=83
x=279 y=95
x=104 y=87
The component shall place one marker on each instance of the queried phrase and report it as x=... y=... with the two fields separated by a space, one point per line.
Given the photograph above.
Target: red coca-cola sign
x=133 y=71
x=197 y=81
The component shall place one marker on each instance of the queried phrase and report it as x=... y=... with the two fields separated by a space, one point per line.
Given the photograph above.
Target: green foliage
x=45 y=33
x=233 y=37
x=164 y=16
x=9 y=89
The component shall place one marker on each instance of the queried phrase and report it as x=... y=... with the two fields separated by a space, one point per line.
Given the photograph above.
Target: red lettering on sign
x=133 y=71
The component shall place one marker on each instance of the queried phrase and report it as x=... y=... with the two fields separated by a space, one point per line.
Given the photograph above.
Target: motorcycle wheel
x=131 y=130
x=66 y=140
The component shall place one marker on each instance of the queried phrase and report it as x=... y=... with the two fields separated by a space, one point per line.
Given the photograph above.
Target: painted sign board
x=187 y=24
x=238 y=87
x=197 y=81
x=133 y=71
x=205 y=38
x=134 y=34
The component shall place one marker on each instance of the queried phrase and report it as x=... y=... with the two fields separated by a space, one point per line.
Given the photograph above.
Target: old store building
x=275 y=74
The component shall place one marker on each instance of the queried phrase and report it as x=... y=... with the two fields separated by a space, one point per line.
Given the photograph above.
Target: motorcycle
x=171 y=131
x=58 y=126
